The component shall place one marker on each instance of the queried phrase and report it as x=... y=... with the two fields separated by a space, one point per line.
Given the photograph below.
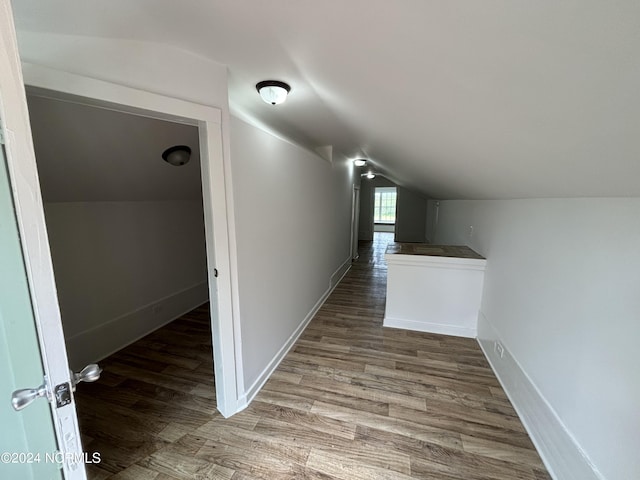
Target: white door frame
x=355 y=221
x=217 y=201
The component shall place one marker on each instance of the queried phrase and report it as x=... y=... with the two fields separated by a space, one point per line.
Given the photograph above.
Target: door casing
x=217 y=202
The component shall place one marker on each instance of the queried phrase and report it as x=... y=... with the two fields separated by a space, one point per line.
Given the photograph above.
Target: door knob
x=61 y=394
x=22 y=398
x=90 y=373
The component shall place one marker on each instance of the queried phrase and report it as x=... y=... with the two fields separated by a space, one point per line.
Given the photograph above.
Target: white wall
x=411 y=216
x=123 y=269
x=431 y=220
x=293 y=218
x=147 y=66
x=562 y=293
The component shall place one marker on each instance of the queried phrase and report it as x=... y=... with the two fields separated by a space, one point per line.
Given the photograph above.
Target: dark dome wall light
x=177 y=155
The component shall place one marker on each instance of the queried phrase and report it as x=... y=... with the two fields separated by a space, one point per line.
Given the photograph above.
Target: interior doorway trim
x=217 y=202
x=355 y=222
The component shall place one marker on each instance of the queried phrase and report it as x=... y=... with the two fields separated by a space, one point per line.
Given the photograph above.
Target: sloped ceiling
x=461 y=99
x=86 y=154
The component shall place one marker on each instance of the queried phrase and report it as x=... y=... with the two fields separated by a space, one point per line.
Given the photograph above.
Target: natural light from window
x=384 y=205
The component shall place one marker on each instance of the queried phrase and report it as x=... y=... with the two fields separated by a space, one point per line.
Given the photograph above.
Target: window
x=384 y=205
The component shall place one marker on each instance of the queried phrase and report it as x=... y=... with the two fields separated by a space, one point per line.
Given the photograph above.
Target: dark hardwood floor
x=352 y=400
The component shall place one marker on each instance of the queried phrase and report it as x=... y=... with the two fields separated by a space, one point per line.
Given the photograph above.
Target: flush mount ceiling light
x=273 y=91
x=369 y=175
x=177 y=155
x=359 y=162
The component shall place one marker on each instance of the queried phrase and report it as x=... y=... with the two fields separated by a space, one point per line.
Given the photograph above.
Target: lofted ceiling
x=460 y=99
x=86 y=153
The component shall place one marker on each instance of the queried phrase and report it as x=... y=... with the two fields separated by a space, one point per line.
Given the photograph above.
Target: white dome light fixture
x=177 y=155
x=359 y=162
x=273 y=92
x=369 y=175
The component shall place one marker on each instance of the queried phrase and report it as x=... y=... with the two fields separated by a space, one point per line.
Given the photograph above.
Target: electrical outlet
x=498 y=348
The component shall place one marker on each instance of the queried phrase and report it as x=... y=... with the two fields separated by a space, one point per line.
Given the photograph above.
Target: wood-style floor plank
x=352 y=400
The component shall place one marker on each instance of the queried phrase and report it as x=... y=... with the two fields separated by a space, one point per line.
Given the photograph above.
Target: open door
x=40 y=437
x=28 y=435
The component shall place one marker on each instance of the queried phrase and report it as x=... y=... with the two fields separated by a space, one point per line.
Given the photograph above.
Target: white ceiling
x=86 y=153
x=462 y=99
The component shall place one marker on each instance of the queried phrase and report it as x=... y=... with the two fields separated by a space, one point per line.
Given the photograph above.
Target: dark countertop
x=426 y=249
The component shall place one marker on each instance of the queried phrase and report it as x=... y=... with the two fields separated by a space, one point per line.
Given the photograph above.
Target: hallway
x=351 y=400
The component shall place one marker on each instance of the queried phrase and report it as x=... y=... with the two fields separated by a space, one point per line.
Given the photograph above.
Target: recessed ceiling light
x=359 y=162
x=273 y=91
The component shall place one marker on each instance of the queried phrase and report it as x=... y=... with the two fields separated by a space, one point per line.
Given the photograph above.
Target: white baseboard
x=440 y=328
x=339 y=274
x=560 y=452
x=103 y=340
x=257 y=385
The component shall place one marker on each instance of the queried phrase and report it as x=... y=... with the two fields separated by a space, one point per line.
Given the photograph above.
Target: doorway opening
x=217 y=205
x=384 y=209
x=126 y=229
x=127 y=237
x=216 y=197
